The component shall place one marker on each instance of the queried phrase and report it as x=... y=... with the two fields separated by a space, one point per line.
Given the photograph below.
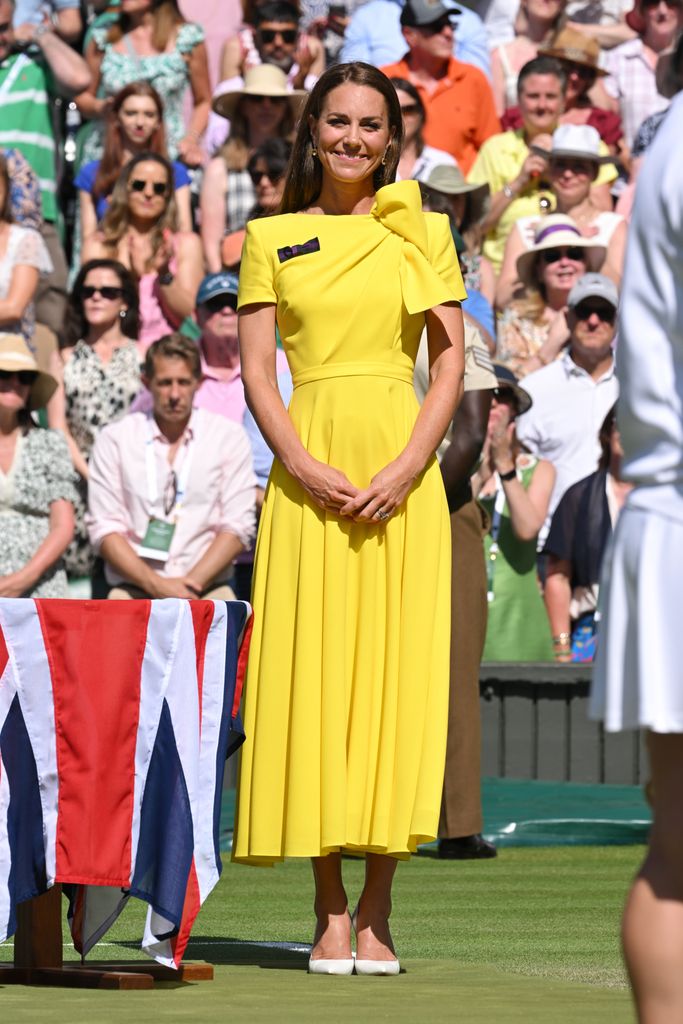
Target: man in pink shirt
x=171 y=491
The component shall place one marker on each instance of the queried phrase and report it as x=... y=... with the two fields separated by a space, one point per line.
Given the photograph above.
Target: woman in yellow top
x=347 y=684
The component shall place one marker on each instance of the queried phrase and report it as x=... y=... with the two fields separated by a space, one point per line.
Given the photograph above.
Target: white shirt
x=564 y=421
x=650 y=351
x=219 y=495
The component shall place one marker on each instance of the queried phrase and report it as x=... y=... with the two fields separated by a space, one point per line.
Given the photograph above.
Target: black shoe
x=466 y=848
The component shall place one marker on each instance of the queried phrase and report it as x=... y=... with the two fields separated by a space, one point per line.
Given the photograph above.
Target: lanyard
x=494 y=550
x=14 y=73
x=182 y=475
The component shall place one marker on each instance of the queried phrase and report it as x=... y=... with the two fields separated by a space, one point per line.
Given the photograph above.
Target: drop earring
x=314 y=151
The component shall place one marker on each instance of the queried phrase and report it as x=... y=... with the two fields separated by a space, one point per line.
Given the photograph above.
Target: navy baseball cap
x=223 y=283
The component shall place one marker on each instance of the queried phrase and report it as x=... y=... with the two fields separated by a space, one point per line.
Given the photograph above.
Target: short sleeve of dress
x=31 y=251
x=442 y=254
x=51 y=467
x=256 y=270
x=99 y=37
x=85 y=179
x=189 y=35
x=180 y=176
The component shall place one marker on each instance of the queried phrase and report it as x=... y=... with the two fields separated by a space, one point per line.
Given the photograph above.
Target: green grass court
x=530 y=936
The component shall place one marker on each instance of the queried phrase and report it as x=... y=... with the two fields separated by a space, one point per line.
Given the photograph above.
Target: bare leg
x=374 y=907
x=653 y=918
x=332 y=939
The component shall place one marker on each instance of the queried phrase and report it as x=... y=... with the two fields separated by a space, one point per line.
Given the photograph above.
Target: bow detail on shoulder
x=399 y=208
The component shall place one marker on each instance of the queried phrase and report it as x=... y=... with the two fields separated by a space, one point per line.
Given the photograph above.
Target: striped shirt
x=26 y=123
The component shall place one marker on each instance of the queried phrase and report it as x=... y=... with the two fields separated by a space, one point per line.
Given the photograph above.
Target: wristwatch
x=166 y=278
x=508 y=191
x=510 y=475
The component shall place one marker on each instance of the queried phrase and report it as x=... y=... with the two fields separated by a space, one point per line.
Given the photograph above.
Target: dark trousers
x=461 y=803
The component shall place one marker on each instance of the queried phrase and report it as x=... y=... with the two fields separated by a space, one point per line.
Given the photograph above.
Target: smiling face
x=148 y=187
x=571 y=179
x=352 y=133
x=139 y=119
x=560 y=268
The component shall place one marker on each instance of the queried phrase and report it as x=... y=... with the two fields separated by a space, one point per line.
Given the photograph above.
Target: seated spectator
x=134 y=125
x=533 y=329
x=573 y=394
x=36 y=488
x=140 y=230
x=514 y=489
x=171 y=492
x=150 y=41
x=456 y=96
x=270 y=35
x=264 y=109
x=631 y=84
x=573 y=165
x=468 y=204
x=513 y=164
x=374 y=35
x=580 y=57
x=605 y=21
x=100 y=376
x=29 y=83
x=267 y=167
x=64 y=16
x=417 y=158
x=579 y=533
x=23 y=258
x=537 y=22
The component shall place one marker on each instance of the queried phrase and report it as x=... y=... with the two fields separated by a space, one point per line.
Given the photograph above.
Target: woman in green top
x=515 y=490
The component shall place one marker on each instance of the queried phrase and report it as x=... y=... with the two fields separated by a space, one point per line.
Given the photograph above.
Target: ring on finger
x=381 y=514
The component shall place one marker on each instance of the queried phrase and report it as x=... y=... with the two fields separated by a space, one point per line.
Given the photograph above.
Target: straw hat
x=577 y=140
x=15 y=356
x=576 y=48
x=450 y=181
x=262 y=80
x=555 y=230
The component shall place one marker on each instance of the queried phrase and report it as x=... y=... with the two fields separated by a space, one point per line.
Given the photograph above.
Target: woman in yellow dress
x=347 y=683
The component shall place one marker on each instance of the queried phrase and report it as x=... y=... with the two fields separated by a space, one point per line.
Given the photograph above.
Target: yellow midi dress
x=346 y=695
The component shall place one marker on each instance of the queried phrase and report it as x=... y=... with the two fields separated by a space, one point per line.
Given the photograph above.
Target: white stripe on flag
x=20 y=624
x=5 y=859
x=212 y=715
x=160 y=646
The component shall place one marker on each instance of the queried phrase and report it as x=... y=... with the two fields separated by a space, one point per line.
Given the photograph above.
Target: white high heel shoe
x=385 y=968
x=338 y=966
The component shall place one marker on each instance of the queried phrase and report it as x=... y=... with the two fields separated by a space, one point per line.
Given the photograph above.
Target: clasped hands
x=332 y=491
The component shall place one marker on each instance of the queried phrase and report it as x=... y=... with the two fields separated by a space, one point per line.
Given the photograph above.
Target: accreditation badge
x=156 y=543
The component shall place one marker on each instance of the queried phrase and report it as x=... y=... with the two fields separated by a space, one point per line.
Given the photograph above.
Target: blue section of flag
x=166 y=842
x=28 y=874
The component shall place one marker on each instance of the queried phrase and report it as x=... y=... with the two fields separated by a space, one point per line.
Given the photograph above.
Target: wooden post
x=38 y=940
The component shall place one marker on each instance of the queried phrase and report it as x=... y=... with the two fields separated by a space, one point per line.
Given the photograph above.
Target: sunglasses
x=585 y=310
x=436 y=27
x=265 y=99
x=23 y=376
x=410 y=108
x=269 y=35
x=673 y=4
x=571 y=252
x=107 y=291
x=170 y=492
x=579 y=168
x=504 y=395
x=272 y=176
x=219 y=302
x=158 y=187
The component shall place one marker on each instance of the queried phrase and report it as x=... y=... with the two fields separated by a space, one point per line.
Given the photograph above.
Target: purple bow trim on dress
x=398 y=207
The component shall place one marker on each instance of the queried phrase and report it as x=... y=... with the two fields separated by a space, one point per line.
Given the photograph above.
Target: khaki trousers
x=126 y=591
x=461 y=804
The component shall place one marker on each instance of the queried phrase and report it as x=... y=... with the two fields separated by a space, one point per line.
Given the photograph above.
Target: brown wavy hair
x=6 y=211
x=112 y=158
x=75 y=323
x=117 y=218
x=166 y=17
x=305 y=176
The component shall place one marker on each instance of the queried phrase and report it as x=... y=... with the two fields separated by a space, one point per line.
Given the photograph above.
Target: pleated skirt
x=346 y=696
x=638 y=674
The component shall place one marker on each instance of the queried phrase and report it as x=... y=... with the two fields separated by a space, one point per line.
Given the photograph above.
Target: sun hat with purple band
x=555 y=231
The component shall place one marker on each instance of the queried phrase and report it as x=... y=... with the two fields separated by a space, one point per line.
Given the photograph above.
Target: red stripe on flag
x=242 y=664
x=95 y=651
x=191 y=908
x=4 y=653
x=202 y=619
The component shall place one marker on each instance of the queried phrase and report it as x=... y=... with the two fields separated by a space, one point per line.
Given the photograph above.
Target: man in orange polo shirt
x=461 y=113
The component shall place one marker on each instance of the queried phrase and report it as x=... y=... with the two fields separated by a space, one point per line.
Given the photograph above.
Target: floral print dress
x=96 y=394
x=167 y=72
x=41 y=473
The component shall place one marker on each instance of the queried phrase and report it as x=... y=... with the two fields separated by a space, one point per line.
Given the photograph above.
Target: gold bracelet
x=562 y=639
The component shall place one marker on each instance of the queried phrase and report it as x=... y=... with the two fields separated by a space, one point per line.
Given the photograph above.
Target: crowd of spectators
x=137 y=140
